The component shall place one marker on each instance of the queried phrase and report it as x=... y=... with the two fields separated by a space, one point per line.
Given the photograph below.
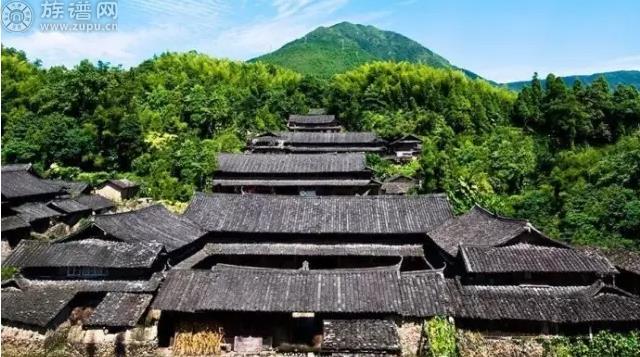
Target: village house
x=87 y=259
x=305 y=310
x=149 y=225
x=117 y=190
x=626 y=262
x=20 y=184
x=405 y=148
x=33 y=204
x=42 y=305
x=325 y=231
x=14 y=229
x=316 y=123
x=490 y=249
x=299 y=174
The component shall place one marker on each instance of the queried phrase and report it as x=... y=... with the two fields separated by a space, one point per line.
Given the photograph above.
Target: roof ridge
x=220 y=267
x=497 y=216
x=147 y=208
x=439 y=271
x=285 y=197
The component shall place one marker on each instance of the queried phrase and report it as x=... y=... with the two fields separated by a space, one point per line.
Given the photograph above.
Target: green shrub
x=442 y=337
x=9 y=272
x=603 y=344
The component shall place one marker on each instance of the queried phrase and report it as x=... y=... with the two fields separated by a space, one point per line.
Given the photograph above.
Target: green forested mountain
x=565 y=157
x=614 y=78
x=329 y=50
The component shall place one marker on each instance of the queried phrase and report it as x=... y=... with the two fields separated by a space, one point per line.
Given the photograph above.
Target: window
x=307 y=192
x=86 y=272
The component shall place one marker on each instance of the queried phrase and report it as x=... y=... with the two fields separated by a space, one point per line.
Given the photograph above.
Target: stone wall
x=73 y=341
x=473 y=344
x=410 y=336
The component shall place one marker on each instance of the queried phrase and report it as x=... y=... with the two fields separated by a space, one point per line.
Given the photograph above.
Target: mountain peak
x=343 y=46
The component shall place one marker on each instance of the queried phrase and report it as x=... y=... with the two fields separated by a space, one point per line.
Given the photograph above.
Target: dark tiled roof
x=36 y=307
x=323 y=164
x=73 y=188
x=328 y=214
x=33 y=211
x=291 y=182
x=119 y=310
x=364 y=336
x=412 y=250
x=232 y=288
x=524 y=257
x=331 y=149
x=319 y=138
x=407 y=138
x=86 y=253
x=621 y=258
x=69 y=206
x=12 y=223
x=39 y=302
x=311 y=119
x=95 y=202
x=123 y=183
x=182 y=290
x=424 y=293
x=132 y=286
x=300 y=249
x=476 y=227
x=151 y=224
x=22 y=184
x=17 y=167
x=398 y=185
x=374 y=290
x=535 y=303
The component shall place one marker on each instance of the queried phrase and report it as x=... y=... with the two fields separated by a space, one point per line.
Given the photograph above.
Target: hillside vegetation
x=614 y=78
x=567 y=158
x=329 y=50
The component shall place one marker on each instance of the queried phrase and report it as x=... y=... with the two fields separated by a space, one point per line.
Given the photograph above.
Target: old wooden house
x=316 y=142
x=21 y=184
x=31 y=203
x=87 y=259
x=299 y=174
x=150 y=225
x=14 y=229
x=490 y=249
x=316 y=123
x=626 y=262
x=117 y=190
x=405 y=148
x=42 y=305
x=304 y=311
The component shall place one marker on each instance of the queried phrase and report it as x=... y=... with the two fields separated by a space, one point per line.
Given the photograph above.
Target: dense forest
x=566 y=156
x=614 y=78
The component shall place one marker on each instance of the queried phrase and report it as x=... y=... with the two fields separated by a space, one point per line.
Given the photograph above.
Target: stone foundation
x=410 y=337
x=73 y=341
x=472 y=344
